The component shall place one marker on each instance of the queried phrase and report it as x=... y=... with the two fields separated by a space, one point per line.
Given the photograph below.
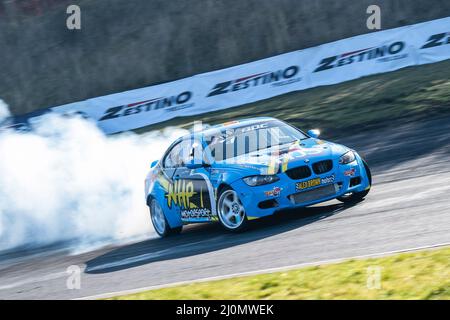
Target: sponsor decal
x=191 y=196
x=180 y=193
x=196 y=213
x=327 y=180
x=382 y=54
x=171 y=103
x=275 y=192
x=350 y=173
x=274 y=78
x=314 y=182
x=437 y=40
x=254 y=127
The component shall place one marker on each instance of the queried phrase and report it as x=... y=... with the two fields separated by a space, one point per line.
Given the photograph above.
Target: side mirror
x=314 y=133
x=153 y=164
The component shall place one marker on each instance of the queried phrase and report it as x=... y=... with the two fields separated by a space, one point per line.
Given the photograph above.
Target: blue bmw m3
x=248 y=169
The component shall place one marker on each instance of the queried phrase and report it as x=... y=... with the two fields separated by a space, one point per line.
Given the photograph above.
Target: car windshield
x=229 y=143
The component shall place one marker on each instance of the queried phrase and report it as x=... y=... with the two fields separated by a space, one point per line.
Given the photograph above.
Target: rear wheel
x=159 y=220
x=358 y=196
x=231 y=211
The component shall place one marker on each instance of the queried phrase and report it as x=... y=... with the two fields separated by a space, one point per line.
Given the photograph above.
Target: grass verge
x=414 y=275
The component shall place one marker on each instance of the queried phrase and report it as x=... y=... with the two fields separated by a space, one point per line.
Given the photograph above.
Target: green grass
x=406 y=95
x=415 y=275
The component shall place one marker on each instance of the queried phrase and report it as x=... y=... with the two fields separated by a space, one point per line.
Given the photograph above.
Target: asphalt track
x=408 y=207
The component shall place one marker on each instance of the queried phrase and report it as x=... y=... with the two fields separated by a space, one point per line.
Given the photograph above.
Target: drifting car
x=248 y=169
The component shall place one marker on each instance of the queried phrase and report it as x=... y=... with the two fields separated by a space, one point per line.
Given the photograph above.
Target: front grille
x=315 y=194
x=299 y=172
x=322 y=166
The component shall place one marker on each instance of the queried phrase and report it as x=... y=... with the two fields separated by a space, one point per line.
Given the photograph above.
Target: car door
x=195 y=193
x=165 y=189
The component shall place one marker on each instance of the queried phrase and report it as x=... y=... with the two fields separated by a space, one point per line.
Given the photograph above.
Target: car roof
x=229 y=125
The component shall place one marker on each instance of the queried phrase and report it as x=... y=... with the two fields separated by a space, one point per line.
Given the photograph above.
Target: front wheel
x=231 y=212
x=358 y=196
x=159 y=221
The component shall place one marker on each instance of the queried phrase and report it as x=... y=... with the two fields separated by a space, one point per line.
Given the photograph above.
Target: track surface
x=408 y=207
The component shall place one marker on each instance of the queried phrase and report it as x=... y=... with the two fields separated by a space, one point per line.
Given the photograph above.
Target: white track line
x=48 y=277
x=256 y=272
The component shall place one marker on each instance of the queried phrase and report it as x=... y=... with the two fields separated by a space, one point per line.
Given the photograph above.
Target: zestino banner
x=139 y=108
x=326 y=64
x=360 y=56
x=253 y=81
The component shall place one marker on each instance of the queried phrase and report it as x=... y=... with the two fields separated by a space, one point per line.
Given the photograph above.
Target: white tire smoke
x=4 y=111
x=67 y=182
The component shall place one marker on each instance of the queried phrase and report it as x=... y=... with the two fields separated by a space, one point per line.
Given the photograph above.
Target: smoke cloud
x=4 y=111
x=66 y=182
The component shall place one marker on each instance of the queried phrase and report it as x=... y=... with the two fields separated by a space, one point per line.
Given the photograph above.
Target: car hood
x=309 y=150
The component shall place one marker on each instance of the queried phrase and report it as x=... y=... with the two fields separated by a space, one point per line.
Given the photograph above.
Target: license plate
x=308 y=184
x=314 y=182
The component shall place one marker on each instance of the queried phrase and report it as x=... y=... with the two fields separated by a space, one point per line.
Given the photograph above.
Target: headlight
x=260 y=180
x=347 y=157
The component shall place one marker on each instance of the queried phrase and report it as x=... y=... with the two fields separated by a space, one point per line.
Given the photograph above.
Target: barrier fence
x=327 y=64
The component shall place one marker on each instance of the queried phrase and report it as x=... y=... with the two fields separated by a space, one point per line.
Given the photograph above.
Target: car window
x=189 y=149
x=227 y=144
x=182 y=153
x=173 y=158
x=186 y=153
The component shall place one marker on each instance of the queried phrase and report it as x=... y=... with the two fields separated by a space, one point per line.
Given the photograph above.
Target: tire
x=358 y=196
x=231 y=211
x=159 y=221
x=177 y=230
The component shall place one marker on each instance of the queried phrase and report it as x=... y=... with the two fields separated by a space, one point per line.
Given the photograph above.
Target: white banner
x=326 y=64
x=360 y=56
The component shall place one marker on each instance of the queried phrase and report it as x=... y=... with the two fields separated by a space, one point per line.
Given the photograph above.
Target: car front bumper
x=265 y=200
